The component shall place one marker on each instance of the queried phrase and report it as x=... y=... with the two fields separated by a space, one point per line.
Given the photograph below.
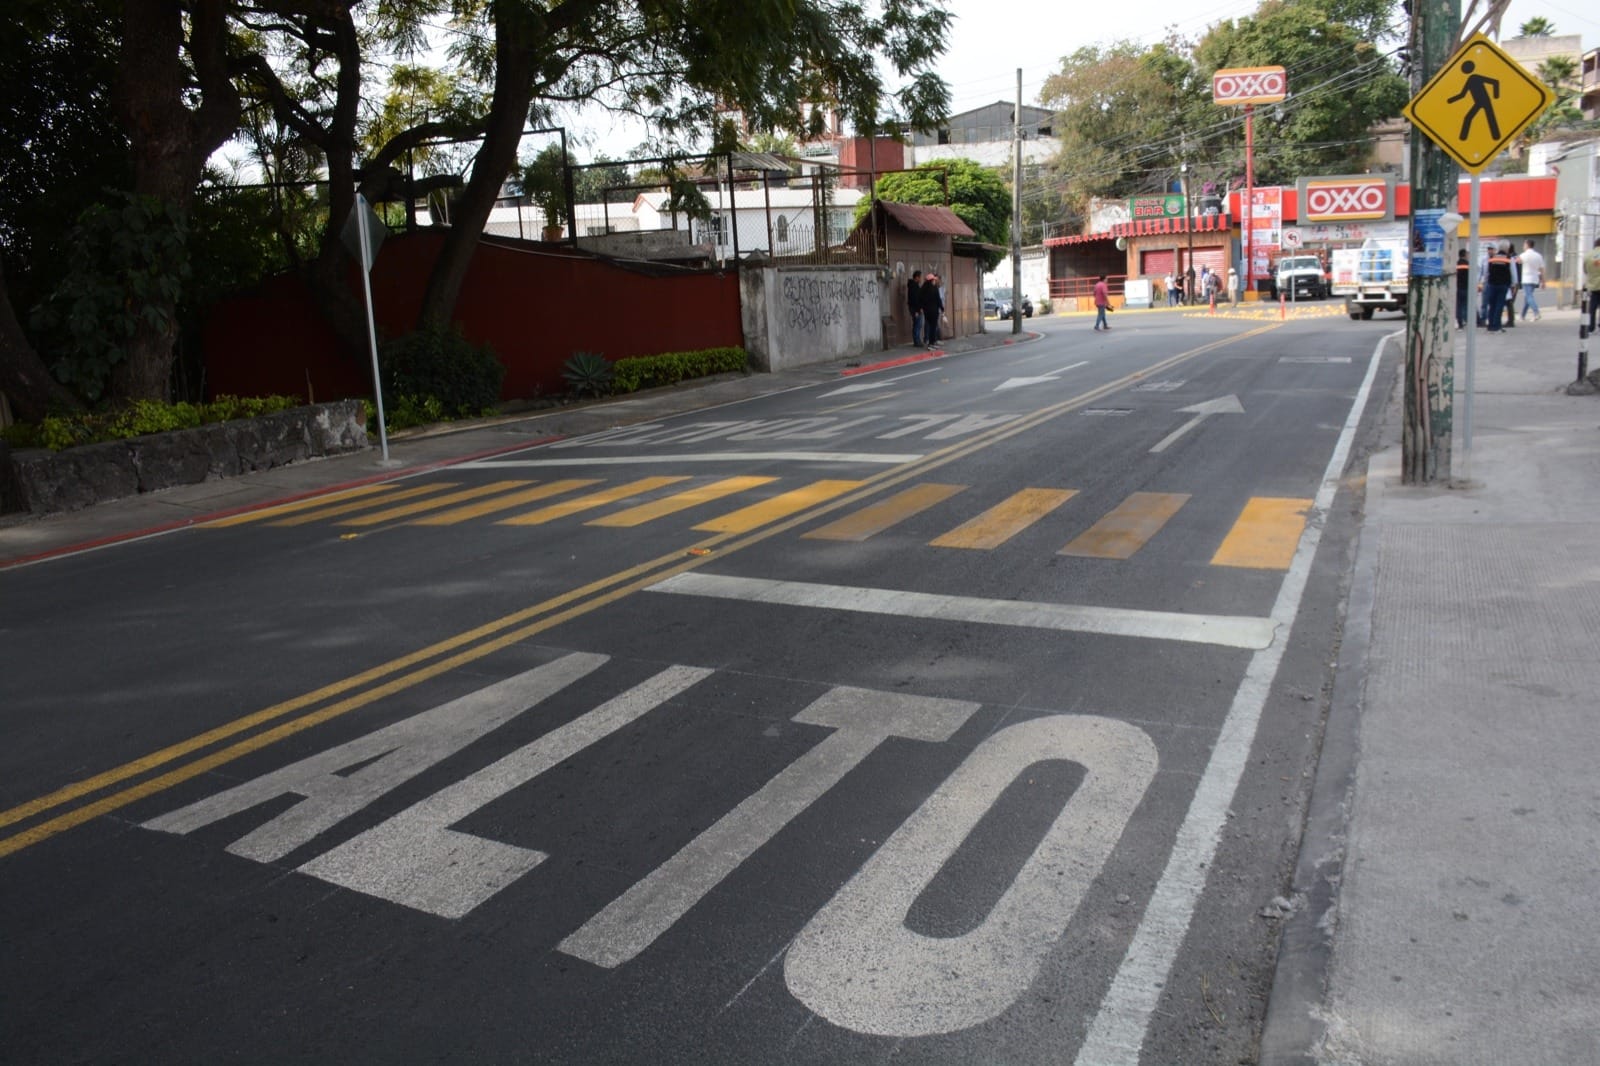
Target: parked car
x=997 y=303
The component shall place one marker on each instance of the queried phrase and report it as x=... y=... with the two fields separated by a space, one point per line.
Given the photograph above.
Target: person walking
x=1463 y=272
x=1516 y=284
x=1233 y=286
x=1496 y=283
x=932 y=308
x=1102 y=300
x=1591 y=281
x=914 y=305
x=1171 y=289
x=1532 y=279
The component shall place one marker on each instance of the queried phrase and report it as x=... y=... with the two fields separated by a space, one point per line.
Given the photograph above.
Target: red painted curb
x=326 y=490
x=888 y=364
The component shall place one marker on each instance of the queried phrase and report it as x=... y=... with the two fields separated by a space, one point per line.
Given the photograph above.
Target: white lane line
x=884 y=458
x=1118 y=1030
x=1228 y=631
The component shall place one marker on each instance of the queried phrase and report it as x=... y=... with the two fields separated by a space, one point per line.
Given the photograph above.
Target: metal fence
x=744 y=206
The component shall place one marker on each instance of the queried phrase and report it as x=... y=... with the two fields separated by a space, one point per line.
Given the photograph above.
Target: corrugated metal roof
x=923 y=218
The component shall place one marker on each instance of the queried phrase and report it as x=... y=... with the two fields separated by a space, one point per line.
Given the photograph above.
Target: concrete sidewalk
x=29 y=538
x=1447 y=885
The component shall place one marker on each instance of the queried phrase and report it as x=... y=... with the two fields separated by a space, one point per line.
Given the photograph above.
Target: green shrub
x=588 y=373
x=669 y=368
x=442 y=364
x=1044 y=307
x=138 y=418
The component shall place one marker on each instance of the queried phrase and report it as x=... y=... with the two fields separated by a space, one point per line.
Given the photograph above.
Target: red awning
x=1077 y=238
x=1146 y=227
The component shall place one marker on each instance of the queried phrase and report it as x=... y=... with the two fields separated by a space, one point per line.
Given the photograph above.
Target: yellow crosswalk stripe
x=394 y=514
x=679 y=501
x=282 y=509
x=759 y=514
x=1005 y=519
x=361 y=505
x=868 y=521
x=589 y=502
x=1265 y=535
x=504 y=503
x=1127 y=527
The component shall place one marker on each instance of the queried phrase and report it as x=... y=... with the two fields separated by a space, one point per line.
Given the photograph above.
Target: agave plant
x=588 y=373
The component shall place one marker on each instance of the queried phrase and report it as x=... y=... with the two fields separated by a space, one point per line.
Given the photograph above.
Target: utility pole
x=1430 y=361
x=1016 y=210
x=1188 y=226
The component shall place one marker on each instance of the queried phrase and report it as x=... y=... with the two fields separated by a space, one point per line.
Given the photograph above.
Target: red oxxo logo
x=1249 y=85
x=1345 y=200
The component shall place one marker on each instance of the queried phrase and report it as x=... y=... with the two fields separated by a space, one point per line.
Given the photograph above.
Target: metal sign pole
x=1472 y=330
x=372 y=328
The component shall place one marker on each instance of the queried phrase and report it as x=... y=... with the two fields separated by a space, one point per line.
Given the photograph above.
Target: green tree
x=1537 y=26
x=1341 y=85
x=975 y=192
x=1117 y=108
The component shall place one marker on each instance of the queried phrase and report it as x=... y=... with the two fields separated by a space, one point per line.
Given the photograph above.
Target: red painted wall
x=534 y=304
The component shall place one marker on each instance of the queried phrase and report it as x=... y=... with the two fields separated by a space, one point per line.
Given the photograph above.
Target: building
x=984 y=134
x=1589 y=84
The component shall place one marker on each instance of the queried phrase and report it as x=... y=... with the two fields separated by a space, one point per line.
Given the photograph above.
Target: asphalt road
x=962 y=712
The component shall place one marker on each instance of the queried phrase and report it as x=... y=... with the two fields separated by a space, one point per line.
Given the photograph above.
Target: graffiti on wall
x=812 y=304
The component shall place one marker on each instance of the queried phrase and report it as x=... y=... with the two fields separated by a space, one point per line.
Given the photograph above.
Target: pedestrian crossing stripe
x=1263 y=537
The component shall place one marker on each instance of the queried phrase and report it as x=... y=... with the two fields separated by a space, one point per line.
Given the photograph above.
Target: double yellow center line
x=761 y=522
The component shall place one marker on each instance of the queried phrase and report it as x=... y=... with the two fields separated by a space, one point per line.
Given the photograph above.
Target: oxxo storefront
x=1313 y=217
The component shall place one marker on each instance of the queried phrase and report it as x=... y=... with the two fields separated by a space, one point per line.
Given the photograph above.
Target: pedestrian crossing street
x=1263 y=536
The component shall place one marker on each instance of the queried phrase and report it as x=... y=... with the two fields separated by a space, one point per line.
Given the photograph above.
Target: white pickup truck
x=1373 y=277
x=1300 y=277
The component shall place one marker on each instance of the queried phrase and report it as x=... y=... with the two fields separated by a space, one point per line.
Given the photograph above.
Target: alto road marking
x=861 y=719
x=856 y=964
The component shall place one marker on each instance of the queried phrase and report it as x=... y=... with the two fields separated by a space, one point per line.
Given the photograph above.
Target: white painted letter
x=863 y=719
x=857 y=965
x=417 y=860
x=397 y=753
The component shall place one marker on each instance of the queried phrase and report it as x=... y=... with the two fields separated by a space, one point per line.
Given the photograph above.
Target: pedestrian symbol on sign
x=1478 y=81
x=1480 y=89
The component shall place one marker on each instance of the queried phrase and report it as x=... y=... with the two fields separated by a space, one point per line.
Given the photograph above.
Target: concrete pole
x=1430 y=314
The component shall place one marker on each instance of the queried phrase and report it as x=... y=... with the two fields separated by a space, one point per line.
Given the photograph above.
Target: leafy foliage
x=669 y=368
x=139 y=418
x=543 y=181
x=588 y=373
x=463 y=378
x=1129 y=115
x=129 y=258
x=977 y=194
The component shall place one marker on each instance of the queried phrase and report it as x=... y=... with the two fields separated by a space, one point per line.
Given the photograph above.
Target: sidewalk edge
x=1295 y=1024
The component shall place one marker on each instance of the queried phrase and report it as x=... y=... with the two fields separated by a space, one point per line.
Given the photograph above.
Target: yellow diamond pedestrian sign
x=1477 y=102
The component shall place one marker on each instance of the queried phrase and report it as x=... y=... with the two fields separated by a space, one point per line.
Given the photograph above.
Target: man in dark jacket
x=914 y=305
x=932 y=308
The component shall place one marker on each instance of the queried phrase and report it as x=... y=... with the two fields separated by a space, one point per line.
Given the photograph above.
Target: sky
x=991 y=39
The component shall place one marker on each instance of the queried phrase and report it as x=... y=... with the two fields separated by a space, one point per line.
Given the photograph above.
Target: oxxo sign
x=1364 y=198
x=1249 y=85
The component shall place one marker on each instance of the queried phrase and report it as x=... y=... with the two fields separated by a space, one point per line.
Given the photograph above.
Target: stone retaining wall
x=42 y=481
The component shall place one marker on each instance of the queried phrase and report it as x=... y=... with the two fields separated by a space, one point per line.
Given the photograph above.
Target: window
x=783 y=228
x=944 y=136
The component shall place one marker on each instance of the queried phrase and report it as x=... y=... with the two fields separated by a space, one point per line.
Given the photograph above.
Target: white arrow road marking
x=1017 y=383
x=865 y=385
x=1222 y=405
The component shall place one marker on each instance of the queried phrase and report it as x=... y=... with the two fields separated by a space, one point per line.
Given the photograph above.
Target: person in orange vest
x=1496 y=283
